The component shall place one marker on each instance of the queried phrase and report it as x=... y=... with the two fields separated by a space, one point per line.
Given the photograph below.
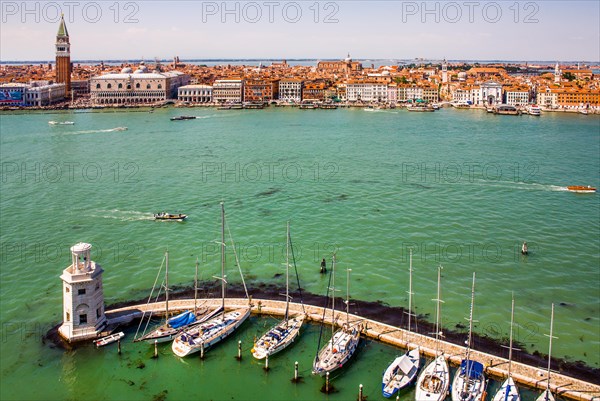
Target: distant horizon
x=305 y=59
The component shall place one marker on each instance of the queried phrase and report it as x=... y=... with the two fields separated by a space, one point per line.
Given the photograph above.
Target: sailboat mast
x=510 y=341
x=437 y=312
x=167 y=284
x=196 y=286
x=348 y=299
x=287 y=272
x=550 y=346
x=410 y=292
x=471 y=317
x=332 y=299
x=223 y=257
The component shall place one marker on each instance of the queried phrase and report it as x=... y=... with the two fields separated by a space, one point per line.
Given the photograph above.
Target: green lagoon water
x=461 y=188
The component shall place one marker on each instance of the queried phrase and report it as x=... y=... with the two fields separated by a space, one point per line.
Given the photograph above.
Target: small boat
x=581 y=189
x=61 y=122
x=179 y=118
x=506 y=110
x=534 y=110
x=434 y=380
x=101 y=342
x=469 y=381
x=583 y=111
x=435 y=106
x=403 y=370
x=284 y=334
x=340 y=348
x=169 y=216
x=119 y=129
x=420 y=107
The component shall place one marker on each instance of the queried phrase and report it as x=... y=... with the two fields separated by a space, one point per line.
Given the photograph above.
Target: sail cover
x=471 y=369
x=182 y=319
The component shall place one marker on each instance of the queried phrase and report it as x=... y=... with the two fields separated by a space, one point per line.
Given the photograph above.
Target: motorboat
x=101 y=342
x=169 y=216
x=61 y=122
x=179 y=118
x=581 y=189
x=534 y=110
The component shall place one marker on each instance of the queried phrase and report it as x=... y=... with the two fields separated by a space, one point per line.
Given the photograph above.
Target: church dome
x=142 y=69
x=126 y=70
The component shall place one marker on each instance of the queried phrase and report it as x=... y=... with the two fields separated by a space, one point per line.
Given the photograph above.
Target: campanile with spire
x=63 y=56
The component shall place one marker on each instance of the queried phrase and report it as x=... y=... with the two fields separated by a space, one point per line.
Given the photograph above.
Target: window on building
x=128 y=86
x=120 y=86
x=67 y=289
x=81 y=291
x=83 y=319
x=148 y=86
x=108 y=86
x=98 y=313
x=68 y=317
x=137 y=86
x=97 y=86
x=159 y=86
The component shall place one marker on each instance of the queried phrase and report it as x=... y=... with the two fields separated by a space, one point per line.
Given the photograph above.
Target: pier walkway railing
x=530 y=376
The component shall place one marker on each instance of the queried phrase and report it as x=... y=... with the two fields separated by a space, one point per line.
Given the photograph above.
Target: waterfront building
x=290 y=90
x=462 y=94
x=228 y=90
x=516 y=95
x=547 y=98
x=195 y=93
x=392 y=92
x=13 y=94
x=572 y=98
x=366 y=91
x=414 y=92
x=490 y=93
x=80 y=87
x=83 y=296
x=44 y=93
x=136 y=87
x=63 y=56
x=313 y=91
x=431 y=94
x=261 y=90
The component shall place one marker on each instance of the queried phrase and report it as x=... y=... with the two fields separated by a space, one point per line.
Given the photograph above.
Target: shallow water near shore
x=461 y=188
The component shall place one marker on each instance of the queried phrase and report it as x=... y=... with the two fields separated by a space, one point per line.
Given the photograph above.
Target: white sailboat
x=403 y=370
x=203 y=336
x=509 y=391
x=175 y=325
x=469 y=381
x=547 y=394
x=434 y=380
x=284 y=333
x=343 y=342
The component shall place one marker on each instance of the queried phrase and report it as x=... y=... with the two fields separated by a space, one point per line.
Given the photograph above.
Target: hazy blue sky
x=509 y=30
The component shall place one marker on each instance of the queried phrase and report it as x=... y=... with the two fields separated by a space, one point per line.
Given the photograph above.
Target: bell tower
x=63 y=56
x=83 y=296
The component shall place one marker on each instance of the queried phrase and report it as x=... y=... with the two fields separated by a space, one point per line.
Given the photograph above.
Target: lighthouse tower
x=63 y=56
x=83 y=297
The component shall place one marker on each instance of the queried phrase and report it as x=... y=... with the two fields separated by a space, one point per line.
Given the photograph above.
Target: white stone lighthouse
x=83 y=298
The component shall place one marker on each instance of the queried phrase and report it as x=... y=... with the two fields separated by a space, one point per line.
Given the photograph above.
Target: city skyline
x=470 y=30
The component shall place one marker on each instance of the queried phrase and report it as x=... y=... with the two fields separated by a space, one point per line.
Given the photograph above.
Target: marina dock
x=495 y=367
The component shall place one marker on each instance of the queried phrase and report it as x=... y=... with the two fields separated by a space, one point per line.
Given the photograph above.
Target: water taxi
x=534 y=110
x=581 y=189
x=179 y=118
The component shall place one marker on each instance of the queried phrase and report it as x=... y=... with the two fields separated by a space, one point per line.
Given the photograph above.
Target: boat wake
x=122 y=215
x=519 y=185
x=97 y=131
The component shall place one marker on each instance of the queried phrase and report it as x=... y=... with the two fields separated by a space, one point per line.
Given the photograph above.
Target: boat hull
x=581 y=189
x=401 y=372
x=469 y=383
x=507 y=392
x=338 y=350
x=209 y=333
x=433 y=382
x=287 y=333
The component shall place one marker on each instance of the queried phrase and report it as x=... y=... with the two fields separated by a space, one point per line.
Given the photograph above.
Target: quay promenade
x=496 y=367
